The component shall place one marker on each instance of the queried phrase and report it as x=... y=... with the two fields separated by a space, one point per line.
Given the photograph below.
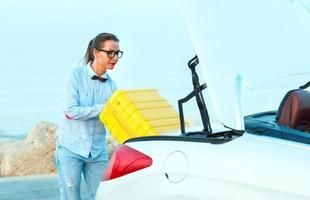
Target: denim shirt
x=80 y=130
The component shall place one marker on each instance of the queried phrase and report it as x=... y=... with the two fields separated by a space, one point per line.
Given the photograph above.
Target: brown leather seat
x=294 y=110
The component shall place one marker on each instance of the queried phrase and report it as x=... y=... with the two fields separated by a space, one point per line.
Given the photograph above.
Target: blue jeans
x=71 y=166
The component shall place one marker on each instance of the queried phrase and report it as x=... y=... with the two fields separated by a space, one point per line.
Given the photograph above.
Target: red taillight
x=126 y=160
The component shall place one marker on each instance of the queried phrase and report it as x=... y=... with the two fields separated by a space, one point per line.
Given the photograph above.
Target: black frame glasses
x=111 y=54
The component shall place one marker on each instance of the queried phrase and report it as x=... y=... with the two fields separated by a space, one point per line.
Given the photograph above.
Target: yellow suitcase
x=141 y=112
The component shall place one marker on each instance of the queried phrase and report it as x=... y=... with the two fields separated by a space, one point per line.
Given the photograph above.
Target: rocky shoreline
x=34 y=154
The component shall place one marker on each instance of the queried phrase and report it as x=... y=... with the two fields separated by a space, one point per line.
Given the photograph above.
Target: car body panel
x=248 y=167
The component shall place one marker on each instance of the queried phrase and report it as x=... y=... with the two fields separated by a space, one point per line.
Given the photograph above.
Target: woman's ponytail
x=89 y=53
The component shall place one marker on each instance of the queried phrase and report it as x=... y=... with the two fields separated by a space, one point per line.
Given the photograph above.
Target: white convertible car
x=264 y=156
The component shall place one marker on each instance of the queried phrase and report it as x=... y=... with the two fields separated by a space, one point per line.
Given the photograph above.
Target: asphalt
x=40 y=187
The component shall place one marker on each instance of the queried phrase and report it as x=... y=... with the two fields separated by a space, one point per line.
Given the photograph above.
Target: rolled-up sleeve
x=73 y=110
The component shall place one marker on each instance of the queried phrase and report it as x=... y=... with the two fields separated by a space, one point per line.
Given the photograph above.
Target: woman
x=80 y=139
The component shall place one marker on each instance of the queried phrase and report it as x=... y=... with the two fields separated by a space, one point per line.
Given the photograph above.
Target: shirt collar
x=91 y=72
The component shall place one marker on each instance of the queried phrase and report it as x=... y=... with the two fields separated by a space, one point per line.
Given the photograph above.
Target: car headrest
x=294 y=110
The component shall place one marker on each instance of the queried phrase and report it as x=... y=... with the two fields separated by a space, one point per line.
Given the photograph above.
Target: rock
x=34 y=155
x=111 y=145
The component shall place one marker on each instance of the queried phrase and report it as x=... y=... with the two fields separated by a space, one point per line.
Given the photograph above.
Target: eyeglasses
x=111 y=54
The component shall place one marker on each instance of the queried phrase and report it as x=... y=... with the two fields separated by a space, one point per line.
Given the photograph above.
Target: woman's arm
x=71 y=105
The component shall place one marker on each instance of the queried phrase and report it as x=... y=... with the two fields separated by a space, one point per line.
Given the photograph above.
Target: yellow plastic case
x=135 y=113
